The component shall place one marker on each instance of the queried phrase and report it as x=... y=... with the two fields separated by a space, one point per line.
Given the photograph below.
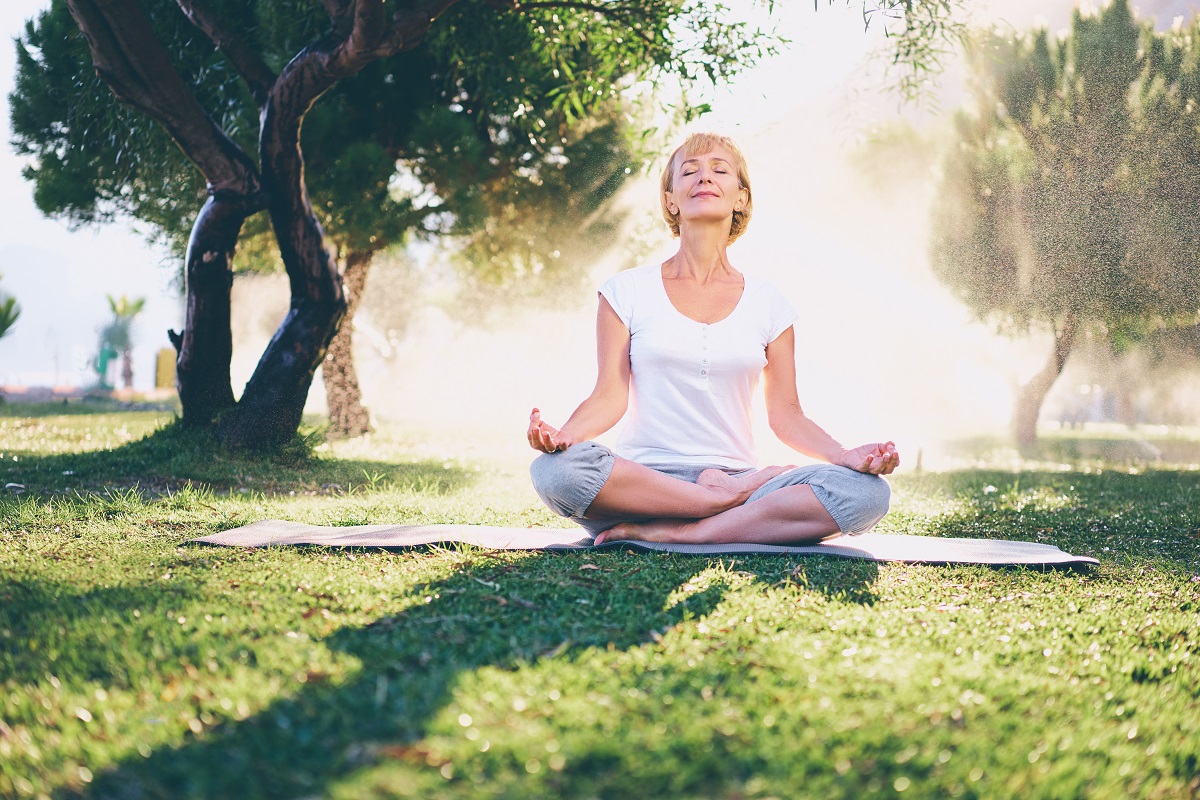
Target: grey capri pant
x=569 y=480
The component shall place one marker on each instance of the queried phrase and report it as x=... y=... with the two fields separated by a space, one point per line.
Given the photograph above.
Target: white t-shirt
x=692 y=382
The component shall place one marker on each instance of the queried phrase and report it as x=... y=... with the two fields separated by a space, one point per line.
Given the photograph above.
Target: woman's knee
x=568 y=481
x=855 y=500
x=870 y=501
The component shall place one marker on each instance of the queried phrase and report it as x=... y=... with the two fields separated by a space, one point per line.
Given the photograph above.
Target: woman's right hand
x=545 y=437
x=877 y=458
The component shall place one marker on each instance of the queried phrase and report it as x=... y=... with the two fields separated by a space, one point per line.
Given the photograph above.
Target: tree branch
x=129 y=57
x=409 y=27
x=249 y=64
x=318 y=302
x=368 y=30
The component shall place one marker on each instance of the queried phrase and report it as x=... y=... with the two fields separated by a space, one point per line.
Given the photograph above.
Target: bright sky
x=884 y=350
x=60 y=277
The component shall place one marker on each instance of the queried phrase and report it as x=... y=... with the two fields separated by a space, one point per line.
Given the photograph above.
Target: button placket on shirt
x=704 y=352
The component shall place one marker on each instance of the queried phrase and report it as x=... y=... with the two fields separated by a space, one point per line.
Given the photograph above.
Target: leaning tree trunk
x=205 y=348
x=270 y=409
x=347 y=416
x=1028 y=404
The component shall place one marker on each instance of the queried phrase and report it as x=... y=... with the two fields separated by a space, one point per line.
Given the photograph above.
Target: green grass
x=134 y=665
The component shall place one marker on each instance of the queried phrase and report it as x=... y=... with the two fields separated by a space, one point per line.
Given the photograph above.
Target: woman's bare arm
x=797 y=431
x=605 y=406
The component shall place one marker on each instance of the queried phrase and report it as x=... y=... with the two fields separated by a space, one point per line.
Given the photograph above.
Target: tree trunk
x=131 y=60
x=347 y=416
x=1029 y=398
x=270 y=409
x=205 y=348
x=1124 y=408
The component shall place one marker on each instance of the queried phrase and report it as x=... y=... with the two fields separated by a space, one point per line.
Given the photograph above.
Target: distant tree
x=117 y=335
x=1069 y=200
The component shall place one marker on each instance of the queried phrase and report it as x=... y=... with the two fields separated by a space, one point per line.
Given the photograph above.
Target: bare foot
x=654 y=530
x=738 y=488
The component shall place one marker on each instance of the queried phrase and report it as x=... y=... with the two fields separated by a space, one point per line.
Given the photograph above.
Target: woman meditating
x=681 y=346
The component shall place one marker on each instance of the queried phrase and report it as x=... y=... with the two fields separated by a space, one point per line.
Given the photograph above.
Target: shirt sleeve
x=619 y=292
x=782 y=314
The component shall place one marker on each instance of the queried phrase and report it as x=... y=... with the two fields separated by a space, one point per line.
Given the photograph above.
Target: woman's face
x=705 y=187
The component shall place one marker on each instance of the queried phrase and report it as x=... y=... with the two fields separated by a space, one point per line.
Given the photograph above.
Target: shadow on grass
x=479 y=617
x=95 y=634
x=174 y=456
x=843 y=580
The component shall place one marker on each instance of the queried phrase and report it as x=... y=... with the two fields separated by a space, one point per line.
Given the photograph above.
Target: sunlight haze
x=884 y=350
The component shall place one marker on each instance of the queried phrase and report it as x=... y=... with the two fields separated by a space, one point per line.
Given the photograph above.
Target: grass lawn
x=133 y=665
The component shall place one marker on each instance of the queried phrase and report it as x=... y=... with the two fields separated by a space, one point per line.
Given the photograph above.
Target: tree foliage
x=1068 y=200
x=924 y=35
x=119 y=331
x=473 y=113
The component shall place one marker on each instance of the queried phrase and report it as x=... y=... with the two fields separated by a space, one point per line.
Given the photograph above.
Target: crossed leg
x=789 y=515
x=634 y=490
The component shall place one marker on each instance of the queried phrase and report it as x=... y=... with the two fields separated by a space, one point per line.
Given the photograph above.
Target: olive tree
x=1068 y=200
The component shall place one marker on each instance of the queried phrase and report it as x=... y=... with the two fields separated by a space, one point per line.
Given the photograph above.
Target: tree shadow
x=479 y=617
x=95 y=634
x=504 y=616
x=174 y=457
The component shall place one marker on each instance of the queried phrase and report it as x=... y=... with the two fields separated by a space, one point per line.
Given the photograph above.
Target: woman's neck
x=702 y=253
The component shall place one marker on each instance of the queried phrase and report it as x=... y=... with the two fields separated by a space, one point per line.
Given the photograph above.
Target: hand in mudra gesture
x=546 y=437
x=877 y=458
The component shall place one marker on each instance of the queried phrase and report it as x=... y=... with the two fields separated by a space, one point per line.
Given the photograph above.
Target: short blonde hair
x=693 y=145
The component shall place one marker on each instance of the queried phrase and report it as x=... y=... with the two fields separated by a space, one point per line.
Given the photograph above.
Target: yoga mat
x=868 y=546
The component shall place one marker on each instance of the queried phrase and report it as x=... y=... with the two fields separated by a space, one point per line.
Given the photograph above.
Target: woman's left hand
x=877 y=458
x=545 y=437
